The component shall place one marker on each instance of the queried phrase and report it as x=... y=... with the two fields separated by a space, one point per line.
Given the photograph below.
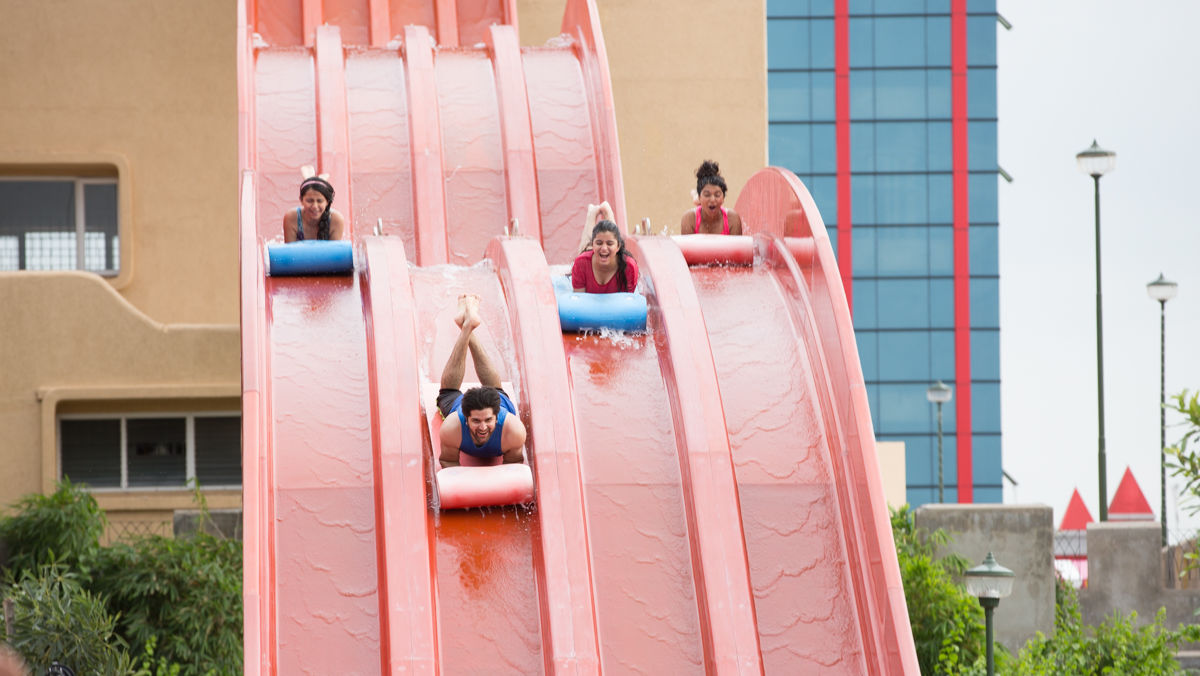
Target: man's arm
x=449 y=437
x=513 y=440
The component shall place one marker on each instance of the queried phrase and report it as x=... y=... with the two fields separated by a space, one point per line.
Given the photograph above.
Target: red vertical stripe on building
x=841 y=72
x=962 y=270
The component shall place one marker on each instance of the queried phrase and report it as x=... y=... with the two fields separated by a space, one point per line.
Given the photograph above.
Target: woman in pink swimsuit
x=710 y=217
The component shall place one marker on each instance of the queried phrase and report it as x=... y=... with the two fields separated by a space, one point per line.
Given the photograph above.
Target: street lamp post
x=1095 y=162
x=990 y=582
x=939 y=393
x=1162 y=290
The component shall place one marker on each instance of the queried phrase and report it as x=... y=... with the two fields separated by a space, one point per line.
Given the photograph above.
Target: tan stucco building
x=130 y=109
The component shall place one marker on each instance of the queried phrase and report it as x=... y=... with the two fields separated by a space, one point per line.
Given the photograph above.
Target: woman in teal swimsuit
x=315 y=218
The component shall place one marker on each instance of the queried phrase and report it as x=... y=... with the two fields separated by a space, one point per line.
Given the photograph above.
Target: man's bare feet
x=468 y=311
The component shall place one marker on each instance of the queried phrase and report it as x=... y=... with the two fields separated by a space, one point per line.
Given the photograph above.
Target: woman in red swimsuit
x=604 y=266
x=710 y=217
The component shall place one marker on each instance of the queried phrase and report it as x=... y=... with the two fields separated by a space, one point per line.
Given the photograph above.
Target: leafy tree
x=946 y=620
x=1185 y=463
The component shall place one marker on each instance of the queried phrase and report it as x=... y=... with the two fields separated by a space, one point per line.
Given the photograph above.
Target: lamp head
x=1162 y=289
x=1096 y=161
x=939 y=393
x=989 y=580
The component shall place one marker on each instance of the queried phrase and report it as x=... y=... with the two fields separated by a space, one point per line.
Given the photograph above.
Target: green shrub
x=55 y=618
x=946 y=620
x=155 y=667
x=177 y=601
x=63 y=527
x=186 y=592
x=1118 y=646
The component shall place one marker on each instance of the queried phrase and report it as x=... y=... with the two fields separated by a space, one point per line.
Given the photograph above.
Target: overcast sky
x=1128 y=75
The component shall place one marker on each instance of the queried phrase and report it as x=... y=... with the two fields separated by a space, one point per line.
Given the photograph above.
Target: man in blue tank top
x=480 y=426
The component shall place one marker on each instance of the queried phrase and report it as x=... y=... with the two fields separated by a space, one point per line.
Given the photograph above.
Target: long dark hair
x=322 y=186
x=709 y=174
x=622 y=254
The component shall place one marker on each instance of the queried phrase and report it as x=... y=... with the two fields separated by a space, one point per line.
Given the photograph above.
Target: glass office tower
x=886 y=109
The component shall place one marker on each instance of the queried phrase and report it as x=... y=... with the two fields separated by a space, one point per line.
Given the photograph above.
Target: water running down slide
x=707 y=498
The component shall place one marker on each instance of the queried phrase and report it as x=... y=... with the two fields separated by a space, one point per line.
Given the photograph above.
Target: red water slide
x=707 y=498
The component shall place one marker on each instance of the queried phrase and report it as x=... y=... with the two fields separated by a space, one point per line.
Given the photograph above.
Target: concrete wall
x=1021 y=539
x=1125 y=572
x=689 y=83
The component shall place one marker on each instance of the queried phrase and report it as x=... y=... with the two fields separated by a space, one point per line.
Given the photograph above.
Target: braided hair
x=322 y=186
x=622 y=254
x=709 y=174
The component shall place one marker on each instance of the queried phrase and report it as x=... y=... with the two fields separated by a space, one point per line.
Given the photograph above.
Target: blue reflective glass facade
x=902 y=201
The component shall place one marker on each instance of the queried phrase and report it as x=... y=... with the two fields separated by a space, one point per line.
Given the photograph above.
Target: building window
x=151 y=451
x=59 y=223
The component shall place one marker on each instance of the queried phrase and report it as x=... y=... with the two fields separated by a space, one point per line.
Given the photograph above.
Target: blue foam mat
x=594 y=311
x=310 y=257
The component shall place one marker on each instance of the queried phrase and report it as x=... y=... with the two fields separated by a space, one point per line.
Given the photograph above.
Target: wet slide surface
x=324 y=516
x=645 y=588
x=486 y=590
x=704 y=491
x=802 y=588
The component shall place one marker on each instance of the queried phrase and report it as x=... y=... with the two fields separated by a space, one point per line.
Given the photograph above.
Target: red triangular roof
x=1129 y=503
x=1077 y=516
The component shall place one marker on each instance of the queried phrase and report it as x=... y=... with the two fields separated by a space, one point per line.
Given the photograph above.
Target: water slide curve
x=707 y=495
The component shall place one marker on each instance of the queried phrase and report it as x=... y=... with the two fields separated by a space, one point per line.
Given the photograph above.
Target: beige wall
x=689 y=82
x=75 y=343
x=146 y=91
x=150 y=86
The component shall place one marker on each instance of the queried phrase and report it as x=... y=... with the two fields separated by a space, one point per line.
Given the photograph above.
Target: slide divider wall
x=728 y=623
x=564 y=575
x=516 y=131
x=258 y=535
x=380 y=22
x=429 y=186
x=582 y=22
x=333 y=142
x=310 y=19
x=408 y=615
x=446 y=13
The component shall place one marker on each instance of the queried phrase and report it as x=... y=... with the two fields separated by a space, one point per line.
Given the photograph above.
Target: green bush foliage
x=55 y=618
x=185 y=591
x=1118 y=646
x=946 y=620
x=63 y=527
x=152 y=666
x=176 y=601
